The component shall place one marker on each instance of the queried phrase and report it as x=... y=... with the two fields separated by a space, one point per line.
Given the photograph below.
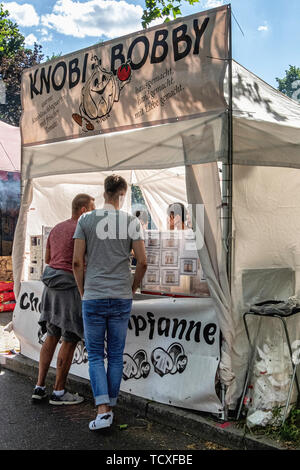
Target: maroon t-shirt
x=61 y=244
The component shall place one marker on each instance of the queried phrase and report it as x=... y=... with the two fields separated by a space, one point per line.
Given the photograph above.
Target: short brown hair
x=113 y=184
x=81 y=200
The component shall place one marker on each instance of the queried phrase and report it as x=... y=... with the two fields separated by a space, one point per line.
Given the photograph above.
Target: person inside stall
x=177 y=216
x=143 y=218
x=179 y=219
x=61 y=315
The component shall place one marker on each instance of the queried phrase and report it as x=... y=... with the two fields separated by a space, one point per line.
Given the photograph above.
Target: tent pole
x=227 y=167
x=227 y=184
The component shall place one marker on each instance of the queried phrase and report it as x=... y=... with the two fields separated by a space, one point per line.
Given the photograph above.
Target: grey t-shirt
x=108 y=235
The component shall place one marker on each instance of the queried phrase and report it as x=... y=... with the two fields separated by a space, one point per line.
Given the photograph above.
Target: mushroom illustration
x=130 y=368
x=162 y=361
x=142 y=363
x=179 y=358
x=100 y=92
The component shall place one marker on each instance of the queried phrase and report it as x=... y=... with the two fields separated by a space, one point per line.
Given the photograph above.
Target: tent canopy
x=10 y=148
x=265 y=133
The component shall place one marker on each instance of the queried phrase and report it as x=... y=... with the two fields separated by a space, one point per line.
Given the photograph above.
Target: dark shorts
x=68 y=336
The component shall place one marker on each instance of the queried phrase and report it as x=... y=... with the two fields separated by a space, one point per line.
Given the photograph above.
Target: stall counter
x=172 y=349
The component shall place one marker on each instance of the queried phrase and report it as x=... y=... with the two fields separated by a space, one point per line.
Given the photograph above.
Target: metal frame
x=294 y=378
x=227 y=183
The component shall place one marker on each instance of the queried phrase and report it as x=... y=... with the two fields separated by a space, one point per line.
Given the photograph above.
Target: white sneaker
x=66 y=399
x=103 y=420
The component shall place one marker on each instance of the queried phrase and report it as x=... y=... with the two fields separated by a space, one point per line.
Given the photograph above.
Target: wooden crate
x=6 y=271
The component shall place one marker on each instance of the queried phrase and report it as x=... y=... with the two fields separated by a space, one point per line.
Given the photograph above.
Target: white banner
x=165 y=73
x=172 y=349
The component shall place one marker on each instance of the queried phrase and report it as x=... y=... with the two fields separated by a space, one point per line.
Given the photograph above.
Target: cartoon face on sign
x=99 y=94
x=137 y=366
x=169 y=362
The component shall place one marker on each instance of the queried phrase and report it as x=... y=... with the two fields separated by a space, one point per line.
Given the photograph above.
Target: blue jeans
x=110 y=317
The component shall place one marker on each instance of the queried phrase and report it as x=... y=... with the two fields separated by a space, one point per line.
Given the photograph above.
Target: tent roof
x=10 y=148
x=265 y=125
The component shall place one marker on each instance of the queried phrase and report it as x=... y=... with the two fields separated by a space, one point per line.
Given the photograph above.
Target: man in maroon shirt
x=61 y=314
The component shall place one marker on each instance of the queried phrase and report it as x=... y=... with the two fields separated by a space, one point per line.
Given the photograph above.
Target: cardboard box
x=6 y=248
x=6 y=271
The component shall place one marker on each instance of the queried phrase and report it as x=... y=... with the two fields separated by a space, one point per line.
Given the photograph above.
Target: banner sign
x=166 y=73
x=172 y=349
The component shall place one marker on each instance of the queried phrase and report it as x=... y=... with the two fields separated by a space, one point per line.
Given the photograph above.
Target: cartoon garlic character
x=99 y=94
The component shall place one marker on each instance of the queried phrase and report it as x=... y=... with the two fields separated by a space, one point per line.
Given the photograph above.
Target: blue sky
x=271 y=27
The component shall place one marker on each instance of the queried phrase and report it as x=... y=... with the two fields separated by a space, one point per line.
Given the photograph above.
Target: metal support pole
x=227 y=180
x=230 y=158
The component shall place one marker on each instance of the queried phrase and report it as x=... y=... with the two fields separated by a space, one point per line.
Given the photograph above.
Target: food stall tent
x=177 y=160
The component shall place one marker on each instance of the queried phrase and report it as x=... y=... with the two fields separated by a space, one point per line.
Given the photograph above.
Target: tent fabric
x=266 y=225
x=203 y=187
x=156 y=147
x=265 y=123
x=160 y=188
x=21 y=236
x=265 y=134
x=10 y=148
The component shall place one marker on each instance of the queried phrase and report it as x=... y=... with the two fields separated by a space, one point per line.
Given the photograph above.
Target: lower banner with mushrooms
x=171 y=354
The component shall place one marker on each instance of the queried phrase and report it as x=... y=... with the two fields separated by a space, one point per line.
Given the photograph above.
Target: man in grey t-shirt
x=109 y=235
x=104 y=239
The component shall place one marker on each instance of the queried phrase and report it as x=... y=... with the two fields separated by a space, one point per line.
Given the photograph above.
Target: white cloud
x=213 y=3
x=30 y=40
x=23 y=15
x=94 y=18
x=263 y=27
x=46 y=36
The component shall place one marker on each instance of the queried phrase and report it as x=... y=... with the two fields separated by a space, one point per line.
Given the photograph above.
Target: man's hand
x=78 y=263
x=138 y=247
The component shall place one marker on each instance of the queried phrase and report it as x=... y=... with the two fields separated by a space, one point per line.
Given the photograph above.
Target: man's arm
x=138 y=247
x=47 y=255
x=78 y=263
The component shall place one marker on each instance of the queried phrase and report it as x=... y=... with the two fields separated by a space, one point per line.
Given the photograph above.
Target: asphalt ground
x=25 y=425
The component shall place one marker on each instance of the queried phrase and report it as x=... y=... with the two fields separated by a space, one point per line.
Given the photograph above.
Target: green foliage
x=167 y=10
x=14 y=58
x=53 y=56
x=285 y=85
x=287 y=434
x=290 y=430
x=10 y=37
x=136 y=195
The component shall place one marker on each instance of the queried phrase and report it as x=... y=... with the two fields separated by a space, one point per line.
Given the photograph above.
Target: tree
x=14 y=58
x=156 y=9
x=53 y=56
x=11 y=39
x=290 y=84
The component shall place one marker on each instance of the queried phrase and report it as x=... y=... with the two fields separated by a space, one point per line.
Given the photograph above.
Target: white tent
x=177 y=161
x=10 y=148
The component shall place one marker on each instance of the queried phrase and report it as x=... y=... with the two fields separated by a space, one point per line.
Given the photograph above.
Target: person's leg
x=116 y=338
x=60 y=396
x=63 y=364
x=46 y=356
x=94 y=320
